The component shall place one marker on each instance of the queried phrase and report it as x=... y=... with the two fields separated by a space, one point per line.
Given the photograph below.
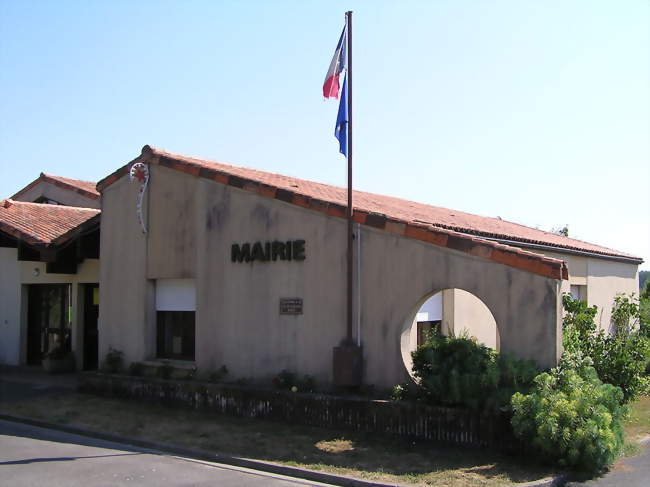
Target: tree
x=564 y=231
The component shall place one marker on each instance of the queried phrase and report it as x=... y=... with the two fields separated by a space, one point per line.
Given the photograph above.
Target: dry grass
x=356 y=455
x=637 y=425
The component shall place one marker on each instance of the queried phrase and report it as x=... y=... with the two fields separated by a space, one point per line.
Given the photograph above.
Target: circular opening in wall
x=452 y=312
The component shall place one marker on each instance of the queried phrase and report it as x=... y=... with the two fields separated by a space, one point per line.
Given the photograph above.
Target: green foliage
x=399 y=392
x=136 y=369
x=571 y=417
x=644 y=313
x=619 y=359
x=460 y=372
x=625 y=314
x=289 y=380
x=114 y=361
x=564 y=231
x=191 y=373
x=578 y=325
x=644 y=279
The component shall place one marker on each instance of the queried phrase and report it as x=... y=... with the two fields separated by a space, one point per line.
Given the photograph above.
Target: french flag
x=332 y=87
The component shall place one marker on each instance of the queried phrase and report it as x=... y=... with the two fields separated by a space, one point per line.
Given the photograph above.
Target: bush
x=571 y=417
x=289 y=380
x=460 y=372
x=136 y=369
x=644 y=314
x=114 y=361
x=400 y=392
x=191 y=373
x=619 y=359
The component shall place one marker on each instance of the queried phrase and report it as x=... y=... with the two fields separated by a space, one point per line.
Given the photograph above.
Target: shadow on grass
x=334 y=451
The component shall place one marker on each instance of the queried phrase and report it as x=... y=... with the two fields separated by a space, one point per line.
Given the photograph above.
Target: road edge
x=259 y=465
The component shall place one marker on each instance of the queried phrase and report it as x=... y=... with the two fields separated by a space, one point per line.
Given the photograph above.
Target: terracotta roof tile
x=425 y=222
x=85 y=188
x=43 y=225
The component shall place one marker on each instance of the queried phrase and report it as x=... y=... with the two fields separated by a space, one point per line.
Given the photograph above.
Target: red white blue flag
x=332 y=86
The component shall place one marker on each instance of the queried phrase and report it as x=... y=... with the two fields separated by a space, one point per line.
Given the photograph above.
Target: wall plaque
x=290 y=306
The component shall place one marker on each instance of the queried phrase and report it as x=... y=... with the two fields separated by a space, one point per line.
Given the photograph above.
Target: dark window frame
x=180 y=324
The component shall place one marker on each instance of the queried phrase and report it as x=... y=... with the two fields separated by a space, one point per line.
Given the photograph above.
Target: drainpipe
x=358 y=284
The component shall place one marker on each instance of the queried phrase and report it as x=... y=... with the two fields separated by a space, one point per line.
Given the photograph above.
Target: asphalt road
x=32 y=456
x=628 y=472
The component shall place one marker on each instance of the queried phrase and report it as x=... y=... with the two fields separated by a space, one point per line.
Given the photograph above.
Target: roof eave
x=568 y=250
x=62 y=184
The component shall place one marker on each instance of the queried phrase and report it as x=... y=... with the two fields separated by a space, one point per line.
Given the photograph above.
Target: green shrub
x=571 y=417
x=460 y=372
x=191 y=373
x=136 y=368
x=113 y=362
x=289 y=380
x=399 y=392
x=619 y=359
x=644 y=313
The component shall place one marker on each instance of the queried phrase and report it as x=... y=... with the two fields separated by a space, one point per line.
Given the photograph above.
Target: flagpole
x=350 y=277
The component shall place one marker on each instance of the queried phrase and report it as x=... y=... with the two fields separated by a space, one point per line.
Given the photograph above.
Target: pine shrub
x=571 y=417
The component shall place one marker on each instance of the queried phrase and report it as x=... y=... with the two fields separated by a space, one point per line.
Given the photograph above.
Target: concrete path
x=32 y=456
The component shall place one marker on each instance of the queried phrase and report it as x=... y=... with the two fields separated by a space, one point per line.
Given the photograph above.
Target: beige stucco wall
x=606 y=279
x=603 y=278
x=9 y=307
x=193 y=223
x=123 y=290
x=473 y=316
x=56 y=193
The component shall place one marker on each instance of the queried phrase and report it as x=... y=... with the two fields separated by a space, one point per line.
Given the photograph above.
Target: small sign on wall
x=290 y=306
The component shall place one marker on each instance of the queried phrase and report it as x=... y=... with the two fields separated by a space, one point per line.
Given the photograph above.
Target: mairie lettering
x=268 y=251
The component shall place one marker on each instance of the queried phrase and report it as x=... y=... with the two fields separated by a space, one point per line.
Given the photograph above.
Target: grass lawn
x=356 y=455
x=637 y=425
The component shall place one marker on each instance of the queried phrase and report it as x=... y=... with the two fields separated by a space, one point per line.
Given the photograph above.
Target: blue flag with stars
x=342 y=120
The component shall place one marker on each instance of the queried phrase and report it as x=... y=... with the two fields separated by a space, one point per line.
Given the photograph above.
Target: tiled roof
x=84 y=188
x=437 y=225
x=44 y=225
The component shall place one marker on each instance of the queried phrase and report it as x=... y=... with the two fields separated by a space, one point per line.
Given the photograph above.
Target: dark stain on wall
x=384 y=330
x=218 y=213
x=262 y=213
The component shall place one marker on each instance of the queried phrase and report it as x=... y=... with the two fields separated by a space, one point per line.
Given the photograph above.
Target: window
x=579 y=292
x=46 y=201
x=426 y=329
x=175 y=318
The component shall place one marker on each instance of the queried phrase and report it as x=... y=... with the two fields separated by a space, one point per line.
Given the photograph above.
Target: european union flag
x=342 y=120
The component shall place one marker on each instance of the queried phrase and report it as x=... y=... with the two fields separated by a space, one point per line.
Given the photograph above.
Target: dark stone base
x=347 y=364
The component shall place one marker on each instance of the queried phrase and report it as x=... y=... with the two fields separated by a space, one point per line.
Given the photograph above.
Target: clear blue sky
x=538 y=112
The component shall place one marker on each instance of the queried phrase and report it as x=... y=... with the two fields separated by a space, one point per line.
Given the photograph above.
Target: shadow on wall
x=452 y=312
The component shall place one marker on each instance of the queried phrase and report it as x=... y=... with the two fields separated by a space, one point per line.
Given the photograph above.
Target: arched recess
x=453 y=312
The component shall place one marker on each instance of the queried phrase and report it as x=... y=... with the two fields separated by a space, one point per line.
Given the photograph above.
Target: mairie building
x=201 y=264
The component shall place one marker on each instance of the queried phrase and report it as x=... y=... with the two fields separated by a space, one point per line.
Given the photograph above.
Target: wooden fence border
x=395 y=418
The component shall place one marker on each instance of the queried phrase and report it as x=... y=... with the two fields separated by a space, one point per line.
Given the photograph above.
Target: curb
x=558 y=481
x=196 y=454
